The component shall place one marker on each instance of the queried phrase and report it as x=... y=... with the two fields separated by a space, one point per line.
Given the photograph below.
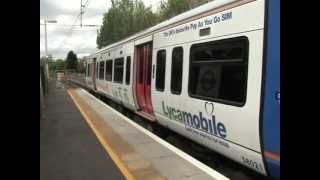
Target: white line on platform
x=182 y=154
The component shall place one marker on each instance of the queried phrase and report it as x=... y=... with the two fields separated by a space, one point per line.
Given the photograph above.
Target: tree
x=124 y=18
x=71 y=61
x=171 y=8
x=56 y=65
x=59 y=64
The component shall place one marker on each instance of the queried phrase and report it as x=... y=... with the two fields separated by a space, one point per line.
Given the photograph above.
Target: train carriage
x=210 y=74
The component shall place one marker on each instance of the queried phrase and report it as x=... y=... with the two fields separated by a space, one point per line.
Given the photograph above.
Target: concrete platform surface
x=138 y=153
x=69 y=150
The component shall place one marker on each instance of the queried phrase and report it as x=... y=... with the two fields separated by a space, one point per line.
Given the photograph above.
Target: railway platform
x=83 y=138
x=68 y=147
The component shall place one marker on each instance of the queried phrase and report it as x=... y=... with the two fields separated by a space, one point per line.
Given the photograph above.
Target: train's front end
x=271 y=104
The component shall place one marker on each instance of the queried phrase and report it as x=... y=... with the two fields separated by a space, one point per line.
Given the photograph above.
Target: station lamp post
x=45 y=33
x=45 y=39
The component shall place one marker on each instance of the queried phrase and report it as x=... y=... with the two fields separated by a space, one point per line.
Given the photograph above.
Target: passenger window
x=176 y=70
x=101 y=70
x=109 y=70
x=149 y=64
x=128 y=70
x=88 y=70
x=161 y=69
x=141 y=63
x=218 y=70
x=97 y=68
x=118 y=70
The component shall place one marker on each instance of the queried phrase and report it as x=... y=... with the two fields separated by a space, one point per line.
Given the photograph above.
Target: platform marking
x=125 y=171
x=179 y=152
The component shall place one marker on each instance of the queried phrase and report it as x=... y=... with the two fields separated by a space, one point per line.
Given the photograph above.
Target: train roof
x=191 y=13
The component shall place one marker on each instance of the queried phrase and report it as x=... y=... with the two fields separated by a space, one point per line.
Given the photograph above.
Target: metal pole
x=45 y=36
x=46 y=46
x=41 y=96
x=81 y=14
x=47 y=70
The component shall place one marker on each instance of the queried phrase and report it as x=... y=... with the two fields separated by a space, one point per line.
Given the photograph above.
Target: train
x=211 y=74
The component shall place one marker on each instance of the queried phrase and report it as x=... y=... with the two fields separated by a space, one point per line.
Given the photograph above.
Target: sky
x=61 y=38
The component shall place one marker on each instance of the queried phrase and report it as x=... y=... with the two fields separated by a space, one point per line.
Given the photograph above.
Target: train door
x=143 y=81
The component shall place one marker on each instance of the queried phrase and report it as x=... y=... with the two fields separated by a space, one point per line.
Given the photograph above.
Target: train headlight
x=277 y=96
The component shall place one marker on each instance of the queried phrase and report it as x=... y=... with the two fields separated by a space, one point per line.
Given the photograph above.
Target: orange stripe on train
x=272 y=156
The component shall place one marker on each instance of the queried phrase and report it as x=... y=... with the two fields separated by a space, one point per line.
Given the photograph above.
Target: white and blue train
x=211 y=74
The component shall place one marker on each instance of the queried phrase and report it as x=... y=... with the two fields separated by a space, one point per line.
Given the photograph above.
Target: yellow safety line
x=123 y=168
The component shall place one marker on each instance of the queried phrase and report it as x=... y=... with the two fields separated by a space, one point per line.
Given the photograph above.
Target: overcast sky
x=81 y=40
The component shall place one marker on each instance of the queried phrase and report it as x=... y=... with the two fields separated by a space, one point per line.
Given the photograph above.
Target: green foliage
x=57 y=65
x=60 y=64
x=172 y=8
x=126 y=17
x=71 y=61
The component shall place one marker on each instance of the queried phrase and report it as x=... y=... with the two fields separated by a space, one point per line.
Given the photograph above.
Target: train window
x=88 y=70
x=128 y=70
x=109 y=70
x=161 y=69
x=149 y=64
x=118 y=70
x=101 y=70
x=97 y=68
x=218 y=70
x=176 y=70
x=141 y=63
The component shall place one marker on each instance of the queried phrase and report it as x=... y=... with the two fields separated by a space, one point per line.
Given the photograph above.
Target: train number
x=252 y=163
